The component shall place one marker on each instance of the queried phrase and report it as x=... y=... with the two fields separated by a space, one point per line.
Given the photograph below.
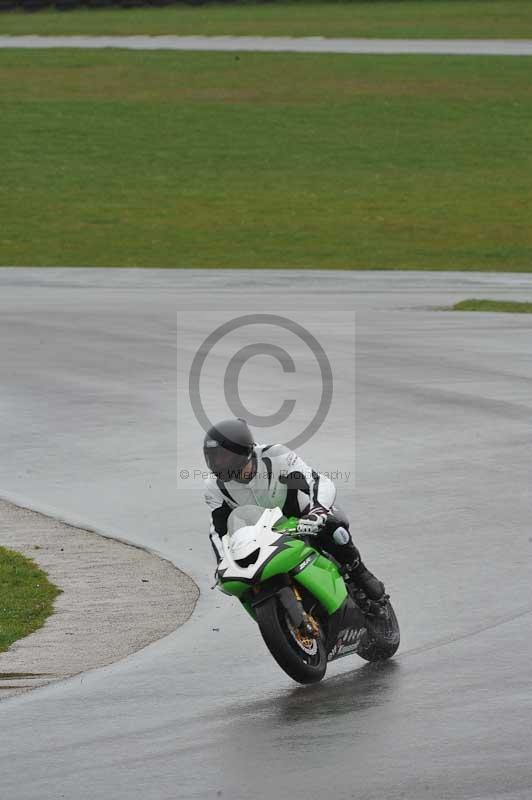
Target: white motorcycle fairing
x=249 y=540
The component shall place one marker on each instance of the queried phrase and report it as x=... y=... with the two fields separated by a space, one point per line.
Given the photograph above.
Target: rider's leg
x=336 y=539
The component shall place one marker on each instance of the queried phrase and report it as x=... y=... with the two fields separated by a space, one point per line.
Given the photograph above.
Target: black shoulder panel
x=221 y=486
x=219 y=519
x=268 y=464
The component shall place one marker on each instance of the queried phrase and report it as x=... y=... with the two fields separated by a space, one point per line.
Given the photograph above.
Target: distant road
x=315 y=44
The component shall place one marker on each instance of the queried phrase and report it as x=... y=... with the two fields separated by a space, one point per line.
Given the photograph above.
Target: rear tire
x=384 y=636
x=290 y=656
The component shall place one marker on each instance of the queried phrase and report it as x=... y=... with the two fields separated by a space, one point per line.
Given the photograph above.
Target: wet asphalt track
x=442 y=512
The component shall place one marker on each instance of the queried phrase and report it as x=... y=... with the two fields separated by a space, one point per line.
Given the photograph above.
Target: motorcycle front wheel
x=303 y=658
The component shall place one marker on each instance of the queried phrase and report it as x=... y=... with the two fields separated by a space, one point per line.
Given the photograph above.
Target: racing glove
x=312 y=523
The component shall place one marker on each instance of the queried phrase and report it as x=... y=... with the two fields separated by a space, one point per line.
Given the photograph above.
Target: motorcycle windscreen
x=244 y=516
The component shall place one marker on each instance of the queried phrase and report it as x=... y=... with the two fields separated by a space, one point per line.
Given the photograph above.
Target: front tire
x=299 y=663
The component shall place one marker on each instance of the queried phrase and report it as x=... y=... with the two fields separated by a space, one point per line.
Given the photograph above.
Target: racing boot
x=363 y=579
x=372 y=587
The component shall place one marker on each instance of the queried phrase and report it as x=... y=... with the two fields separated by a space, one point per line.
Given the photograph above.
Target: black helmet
x=227 y=448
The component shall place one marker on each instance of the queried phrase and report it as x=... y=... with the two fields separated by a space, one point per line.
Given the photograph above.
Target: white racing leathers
x=281 y=480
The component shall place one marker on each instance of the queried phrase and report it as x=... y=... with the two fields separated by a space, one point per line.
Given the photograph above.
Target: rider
x=271 y=476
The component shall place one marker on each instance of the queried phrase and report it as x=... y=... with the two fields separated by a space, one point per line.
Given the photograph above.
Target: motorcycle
x=308 y=611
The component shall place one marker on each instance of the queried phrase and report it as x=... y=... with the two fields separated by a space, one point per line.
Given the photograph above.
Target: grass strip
x=417 y=19
x=26 y=597
x=506 y=306
x=115 y=158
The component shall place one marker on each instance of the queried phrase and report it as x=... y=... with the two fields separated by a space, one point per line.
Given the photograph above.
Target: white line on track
x=316 y=44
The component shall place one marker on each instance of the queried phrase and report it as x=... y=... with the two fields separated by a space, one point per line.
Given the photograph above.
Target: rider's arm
x=216 y=543
x=298 y=475
x=218 y=529
x=219 y=514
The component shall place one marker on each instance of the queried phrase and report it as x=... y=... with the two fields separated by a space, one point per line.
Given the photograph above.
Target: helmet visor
x=225 y=464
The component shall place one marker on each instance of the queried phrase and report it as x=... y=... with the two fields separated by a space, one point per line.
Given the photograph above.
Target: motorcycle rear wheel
x=384 y=636
x=297 y=662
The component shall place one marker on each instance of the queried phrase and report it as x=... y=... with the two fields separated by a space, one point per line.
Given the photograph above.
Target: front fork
x=291 y=599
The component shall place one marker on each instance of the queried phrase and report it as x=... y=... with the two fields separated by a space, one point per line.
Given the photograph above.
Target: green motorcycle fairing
x=323 y=580
x=291 y=552
x=319 y=575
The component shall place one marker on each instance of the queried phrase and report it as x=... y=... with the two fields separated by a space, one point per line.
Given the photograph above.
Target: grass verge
x=460 y=19
x=116 y=158
x=507 y=306
x=26 y=597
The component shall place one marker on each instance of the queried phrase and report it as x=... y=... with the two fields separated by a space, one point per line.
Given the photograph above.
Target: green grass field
x=505 y=306
x=265 y=160
x=26 y=597
x=410 y=18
